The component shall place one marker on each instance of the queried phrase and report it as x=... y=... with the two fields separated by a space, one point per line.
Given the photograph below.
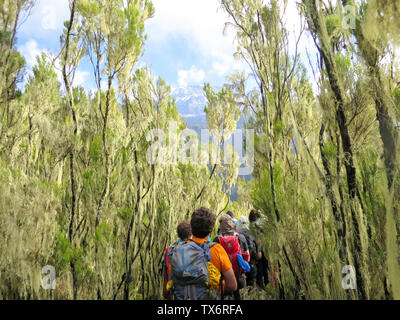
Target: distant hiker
x=256 y=218
x=197 y=264
x=184 y=231
x=227 y=227
x=236 y=247
x=232 y=215
x=256 y=225
x=254 y=250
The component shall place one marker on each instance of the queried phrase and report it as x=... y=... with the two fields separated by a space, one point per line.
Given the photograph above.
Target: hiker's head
x=254 y=215
x=226 y=224
x=230 y=213
x=243 y=223
x=184 y=230
x=202 y=222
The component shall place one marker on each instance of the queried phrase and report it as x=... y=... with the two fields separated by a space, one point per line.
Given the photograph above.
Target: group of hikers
x=196 y=268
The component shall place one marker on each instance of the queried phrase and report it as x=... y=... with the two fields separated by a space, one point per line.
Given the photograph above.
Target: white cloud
x=200 y=22
x=49 y=18
x=80 y=78
x=291 y=18
x=201 y=25
x=190 y=77
x=30 y=50
x=226 y=64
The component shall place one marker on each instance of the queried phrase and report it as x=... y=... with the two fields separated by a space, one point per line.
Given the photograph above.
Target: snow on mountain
x=190 y=102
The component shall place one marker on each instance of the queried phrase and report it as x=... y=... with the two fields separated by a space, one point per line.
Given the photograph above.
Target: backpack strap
x=211 y=244
x=173 y=246
x=201 y=245
x=219 y=292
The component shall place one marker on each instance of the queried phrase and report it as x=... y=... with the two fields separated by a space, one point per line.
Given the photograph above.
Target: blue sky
x=186 y=44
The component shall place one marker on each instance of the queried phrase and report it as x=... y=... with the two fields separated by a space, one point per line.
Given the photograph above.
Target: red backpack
x=232 y=248
x=166 y=271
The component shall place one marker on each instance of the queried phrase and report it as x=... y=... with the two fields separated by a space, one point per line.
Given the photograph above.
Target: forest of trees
x=77 y=191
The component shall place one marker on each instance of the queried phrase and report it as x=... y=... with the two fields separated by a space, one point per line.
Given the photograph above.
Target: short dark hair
x=184 y=230
x=202 y=222
x=254 y=215
x=231 y=213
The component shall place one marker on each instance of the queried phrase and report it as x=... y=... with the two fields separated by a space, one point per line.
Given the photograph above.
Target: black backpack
x=252 y=244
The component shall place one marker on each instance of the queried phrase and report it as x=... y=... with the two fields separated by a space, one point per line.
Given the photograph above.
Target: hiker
x=256 y=221
x=232 y=215
x=198 y=266
x=184 y=231
x=255 y=253
x=227 y=227
x=233 y=244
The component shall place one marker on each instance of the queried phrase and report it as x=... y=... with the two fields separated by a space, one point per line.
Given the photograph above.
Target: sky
x=186 y=42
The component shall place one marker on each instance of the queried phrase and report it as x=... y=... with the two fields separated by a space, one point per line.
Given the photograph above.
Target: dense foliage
x=79 y=193
x=326 y=162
